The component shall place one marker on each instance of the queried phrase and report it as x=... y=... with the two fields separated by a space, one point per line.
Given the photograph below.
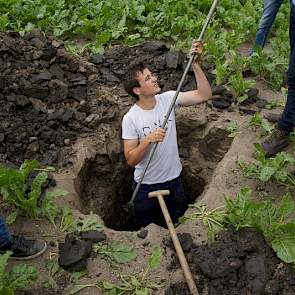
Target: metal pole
x=151 y=154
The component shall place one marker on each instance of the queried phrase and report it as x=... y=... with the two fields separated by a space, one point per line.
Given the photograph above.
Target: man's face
x=148 y=83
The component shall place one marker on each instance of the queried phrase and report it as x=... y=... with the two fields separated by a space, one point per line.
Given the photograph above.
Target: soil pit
x=107 y=186
x=104 y=183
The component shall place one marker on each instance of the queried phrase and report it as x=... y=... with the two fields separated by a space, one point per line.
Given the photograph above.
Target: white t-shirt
x=137 y=123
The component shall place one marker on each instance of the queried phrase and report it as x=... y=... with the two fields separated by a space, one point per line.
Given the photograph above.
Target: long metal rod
x=152 y=151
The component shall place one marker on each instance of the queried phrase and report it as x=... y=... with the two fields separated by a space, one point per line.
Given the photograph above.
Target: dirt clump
x=237 y=263
x=49 y=98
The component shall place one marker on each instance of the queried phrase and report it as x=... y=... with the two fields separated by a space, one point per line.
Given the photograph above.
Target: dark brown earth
x=48 y=98
x=235 y=263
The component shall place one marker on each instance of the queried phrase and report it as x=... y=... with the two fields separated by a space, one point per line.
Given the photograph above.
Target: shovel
x=130 y=206
x=184 y=265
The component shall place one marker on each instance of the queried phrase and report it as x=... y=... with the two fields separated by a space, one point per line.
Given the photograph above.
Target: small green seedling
x=233 y=129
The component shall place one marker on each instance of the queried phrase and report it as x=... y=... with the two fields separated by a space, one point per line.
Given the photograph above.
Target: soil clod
x=73 y=254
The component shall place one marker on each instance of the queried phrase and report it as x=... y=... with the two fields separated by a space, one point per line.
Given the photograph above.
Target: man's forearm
x=137 y=154
x=204 y=87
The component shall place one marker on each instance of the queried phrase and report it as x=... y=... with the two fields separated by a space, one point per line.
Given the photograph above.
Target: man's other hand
x=197 y=49
x=156 y=136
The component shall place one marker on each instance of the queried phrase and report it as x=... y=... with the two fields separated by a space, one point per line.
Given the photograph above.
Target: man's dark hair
x=130 y=80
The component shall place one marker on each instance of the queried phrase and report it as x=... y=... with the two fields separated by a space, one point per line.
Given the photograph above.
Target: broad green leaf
x=21 y=276
x=76 y=276
x=68 y=222
x=266 y=173
x=3 y=262
x=155 y=258
x=122 y=252
x=285 y=249
x=12 y=217
x=89 y=222
x=287 y=207
x=35 y=193
x=48 y=209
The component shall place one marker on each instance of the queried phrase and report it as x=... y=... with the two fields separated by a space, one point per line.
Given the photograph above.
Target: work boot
x=276 y=142
x=272 y=117
x=24 y=249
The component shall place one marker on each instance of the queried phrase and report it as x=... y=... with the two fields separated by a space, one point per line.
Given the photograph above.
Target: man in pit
x=141 y=127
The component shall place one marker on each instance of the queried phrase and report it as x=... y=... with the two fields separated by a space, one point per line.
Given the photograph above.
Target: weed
x=116 y=251
x=233 y=129
x=213 y=220
x=266 y=169
x=71 y=224
x=15 y=190
x=258 y=121
x=20 y=277
x=129 y=284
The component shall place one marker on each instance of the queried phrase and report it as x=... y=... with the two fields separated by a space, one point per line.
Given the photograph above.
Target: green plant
x=259 y=121
x=103 y=23
x=271 y=220
x=213 y=220
x=76 y=276
x=233 y=129
x=266 y=169
x=270 y=68
x=116 y=251
x=221 y=72
x=19 y=277
x=15 y=190
x=239 y=85
x=55 y=271
x=274 y=104
x=130 y=284
x=69 y=223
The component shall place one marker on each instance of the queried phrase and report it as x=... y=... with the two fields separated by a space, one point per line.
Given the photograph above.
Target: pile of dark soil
x=236 y=263
x=49 y=98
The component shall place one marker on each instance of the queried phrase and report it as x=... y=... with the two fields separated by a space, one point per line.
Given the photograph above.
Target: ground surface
x=66 y=112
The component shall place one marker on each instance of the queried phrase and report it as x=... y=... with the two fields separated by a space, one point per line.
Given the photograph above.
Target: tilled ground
x=236 y=263
x=49 y=99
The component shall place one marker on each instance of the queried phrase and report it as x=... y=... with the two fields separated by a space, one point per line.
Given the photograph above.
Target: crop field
x=63 y=174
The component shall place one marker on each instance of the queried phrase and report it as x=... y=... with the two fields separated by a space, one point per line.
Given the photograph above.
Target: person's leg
x=287 y=121
x=5 y=236
x=292 y=25
x=279 y=137
x=177 y=202
x=145 y=209
x=270 y=11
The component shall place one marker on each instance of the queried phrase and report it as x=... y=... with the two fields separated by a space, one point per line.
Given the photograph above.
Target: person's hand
x=156 y=136
x=197 y=49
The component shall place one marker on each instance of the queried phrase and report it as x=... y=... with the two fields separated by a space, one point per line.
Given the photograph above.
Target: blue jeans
x=270 y=10
x=5 y=236
x=287 y=121
x=147 y=210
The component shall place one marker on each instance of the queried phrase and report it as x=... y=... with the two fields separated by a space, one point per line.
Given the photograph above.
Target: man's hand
x=156 y=136
x=197 y=49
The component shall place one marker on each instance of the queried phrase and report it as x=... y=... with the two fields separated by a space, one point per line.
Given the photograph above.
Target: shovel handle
x=183 y=262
